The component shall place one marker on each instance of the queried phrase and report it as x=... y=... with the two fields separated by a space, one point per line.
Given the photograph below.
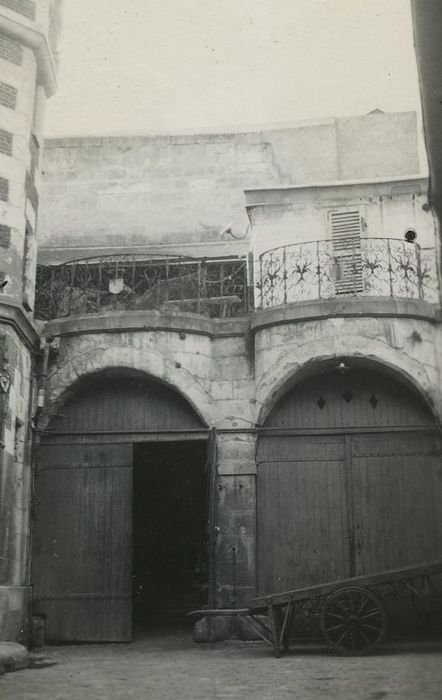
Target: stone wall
x=40 y=16
x=27 y=77
x=407 y=345
x=15 y=488
x=185 y=189
x=233 y=379
x=17 y=208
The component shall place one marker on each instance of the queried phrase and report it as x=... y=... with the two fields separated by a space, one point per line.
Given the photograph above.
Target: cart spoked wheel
x=353 y=620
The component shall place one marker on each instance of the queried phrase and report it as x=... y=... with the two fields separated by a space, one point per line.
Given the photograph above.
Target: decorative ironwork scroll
x=215 y=288
x=385 y=267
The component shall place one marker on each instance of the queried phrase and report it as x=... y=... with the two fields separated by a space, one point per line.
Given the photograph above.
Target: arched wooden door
x=349 y=481
x=82 y=524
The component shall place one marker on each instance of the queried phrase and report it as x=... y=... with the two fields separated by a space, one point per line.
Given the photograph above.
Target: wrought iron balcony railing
x=218 y=288
x=325 y=269
x=215 y=288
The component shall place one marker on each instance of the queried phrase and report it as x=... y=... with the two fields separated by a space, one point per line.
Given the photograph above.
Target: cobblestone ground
x=172 y=667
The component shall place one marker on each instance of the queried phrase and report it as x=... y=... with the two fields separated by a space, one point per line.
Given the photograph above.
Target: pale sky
x=148 y=66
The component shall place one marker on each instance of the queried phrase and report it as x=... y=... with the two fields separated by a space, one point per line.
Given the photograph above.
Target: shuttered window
x=346 y=237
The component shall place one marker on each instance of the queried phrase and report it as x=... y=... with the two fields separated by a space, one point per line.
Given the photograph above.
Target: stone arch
x=311 y=358
x=348 y=467
x=68 y=378
x=126 y=450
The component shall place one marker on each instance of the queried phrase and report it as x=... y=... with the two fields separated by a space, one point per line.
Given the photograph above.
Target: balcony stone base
x=346 y=307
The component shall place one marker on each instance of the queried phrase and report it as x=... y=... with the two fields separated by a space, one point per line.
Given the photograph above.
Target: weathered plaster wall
x=15 y=489
x=294 y=215
x=185 y=189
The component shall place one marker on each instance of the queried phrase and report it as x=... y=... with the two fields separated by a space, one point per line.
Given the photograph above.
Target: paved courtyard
x=172 y=667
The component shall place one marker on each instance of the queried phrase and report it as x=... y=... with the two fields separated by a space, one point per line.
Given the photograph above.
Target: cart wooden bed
x=351 y=611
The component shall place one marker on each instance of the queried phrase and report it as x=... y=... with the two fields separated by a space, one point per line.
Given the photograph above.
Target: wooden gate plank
x=302 y=533
x=397 y=497
x=125 y=405
x=82 y=542
x=381 y=506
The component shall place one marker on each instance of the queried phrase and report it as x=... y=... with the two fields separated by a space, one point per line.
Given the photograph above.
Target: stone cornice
x=288 y=194
x=356 y=308
x=120 y=321
x=14 y=316
x=132 y=321
x=34 y=37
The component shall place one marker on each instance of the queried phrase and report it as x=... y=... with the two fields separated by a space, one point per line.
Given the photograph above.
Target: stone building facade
x=28 y=32
x=293 y=332
x=236 y=339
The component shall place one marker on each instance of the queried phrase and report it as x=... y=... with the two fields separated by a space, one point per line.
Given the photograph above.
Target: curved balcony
x=214 y=288
x=326 y=269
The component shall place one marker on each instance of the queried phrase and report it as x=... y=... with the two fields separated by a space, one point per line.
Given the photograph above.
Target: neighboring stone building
x=283 y=387
x=28 y=31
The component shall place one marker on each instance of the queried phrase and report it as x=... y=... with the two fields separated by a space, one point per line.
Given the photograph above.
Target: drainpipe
x=42 y=378
x=28 y=458
x=37 y=387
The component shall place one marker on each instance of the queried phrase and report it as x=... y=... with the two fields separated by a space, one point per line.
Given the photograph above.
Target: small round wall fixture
x=410 y=235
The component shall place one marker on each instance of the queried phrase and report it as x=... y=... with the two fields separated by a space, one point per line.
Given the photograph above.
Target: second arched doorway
x=120 y=510
x=349 y=480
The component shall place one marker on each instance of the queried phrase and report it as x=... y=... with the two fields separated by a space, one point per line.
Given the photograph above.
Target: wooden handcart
x=351 y=611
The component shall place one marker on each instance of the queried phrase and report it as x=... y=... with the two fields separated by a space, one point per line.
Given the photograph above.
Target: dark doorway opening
x=169 y=532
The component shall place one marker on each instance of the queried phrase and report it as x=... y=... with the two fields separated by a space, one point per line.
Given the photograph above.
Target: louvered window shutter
x=346 y=238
